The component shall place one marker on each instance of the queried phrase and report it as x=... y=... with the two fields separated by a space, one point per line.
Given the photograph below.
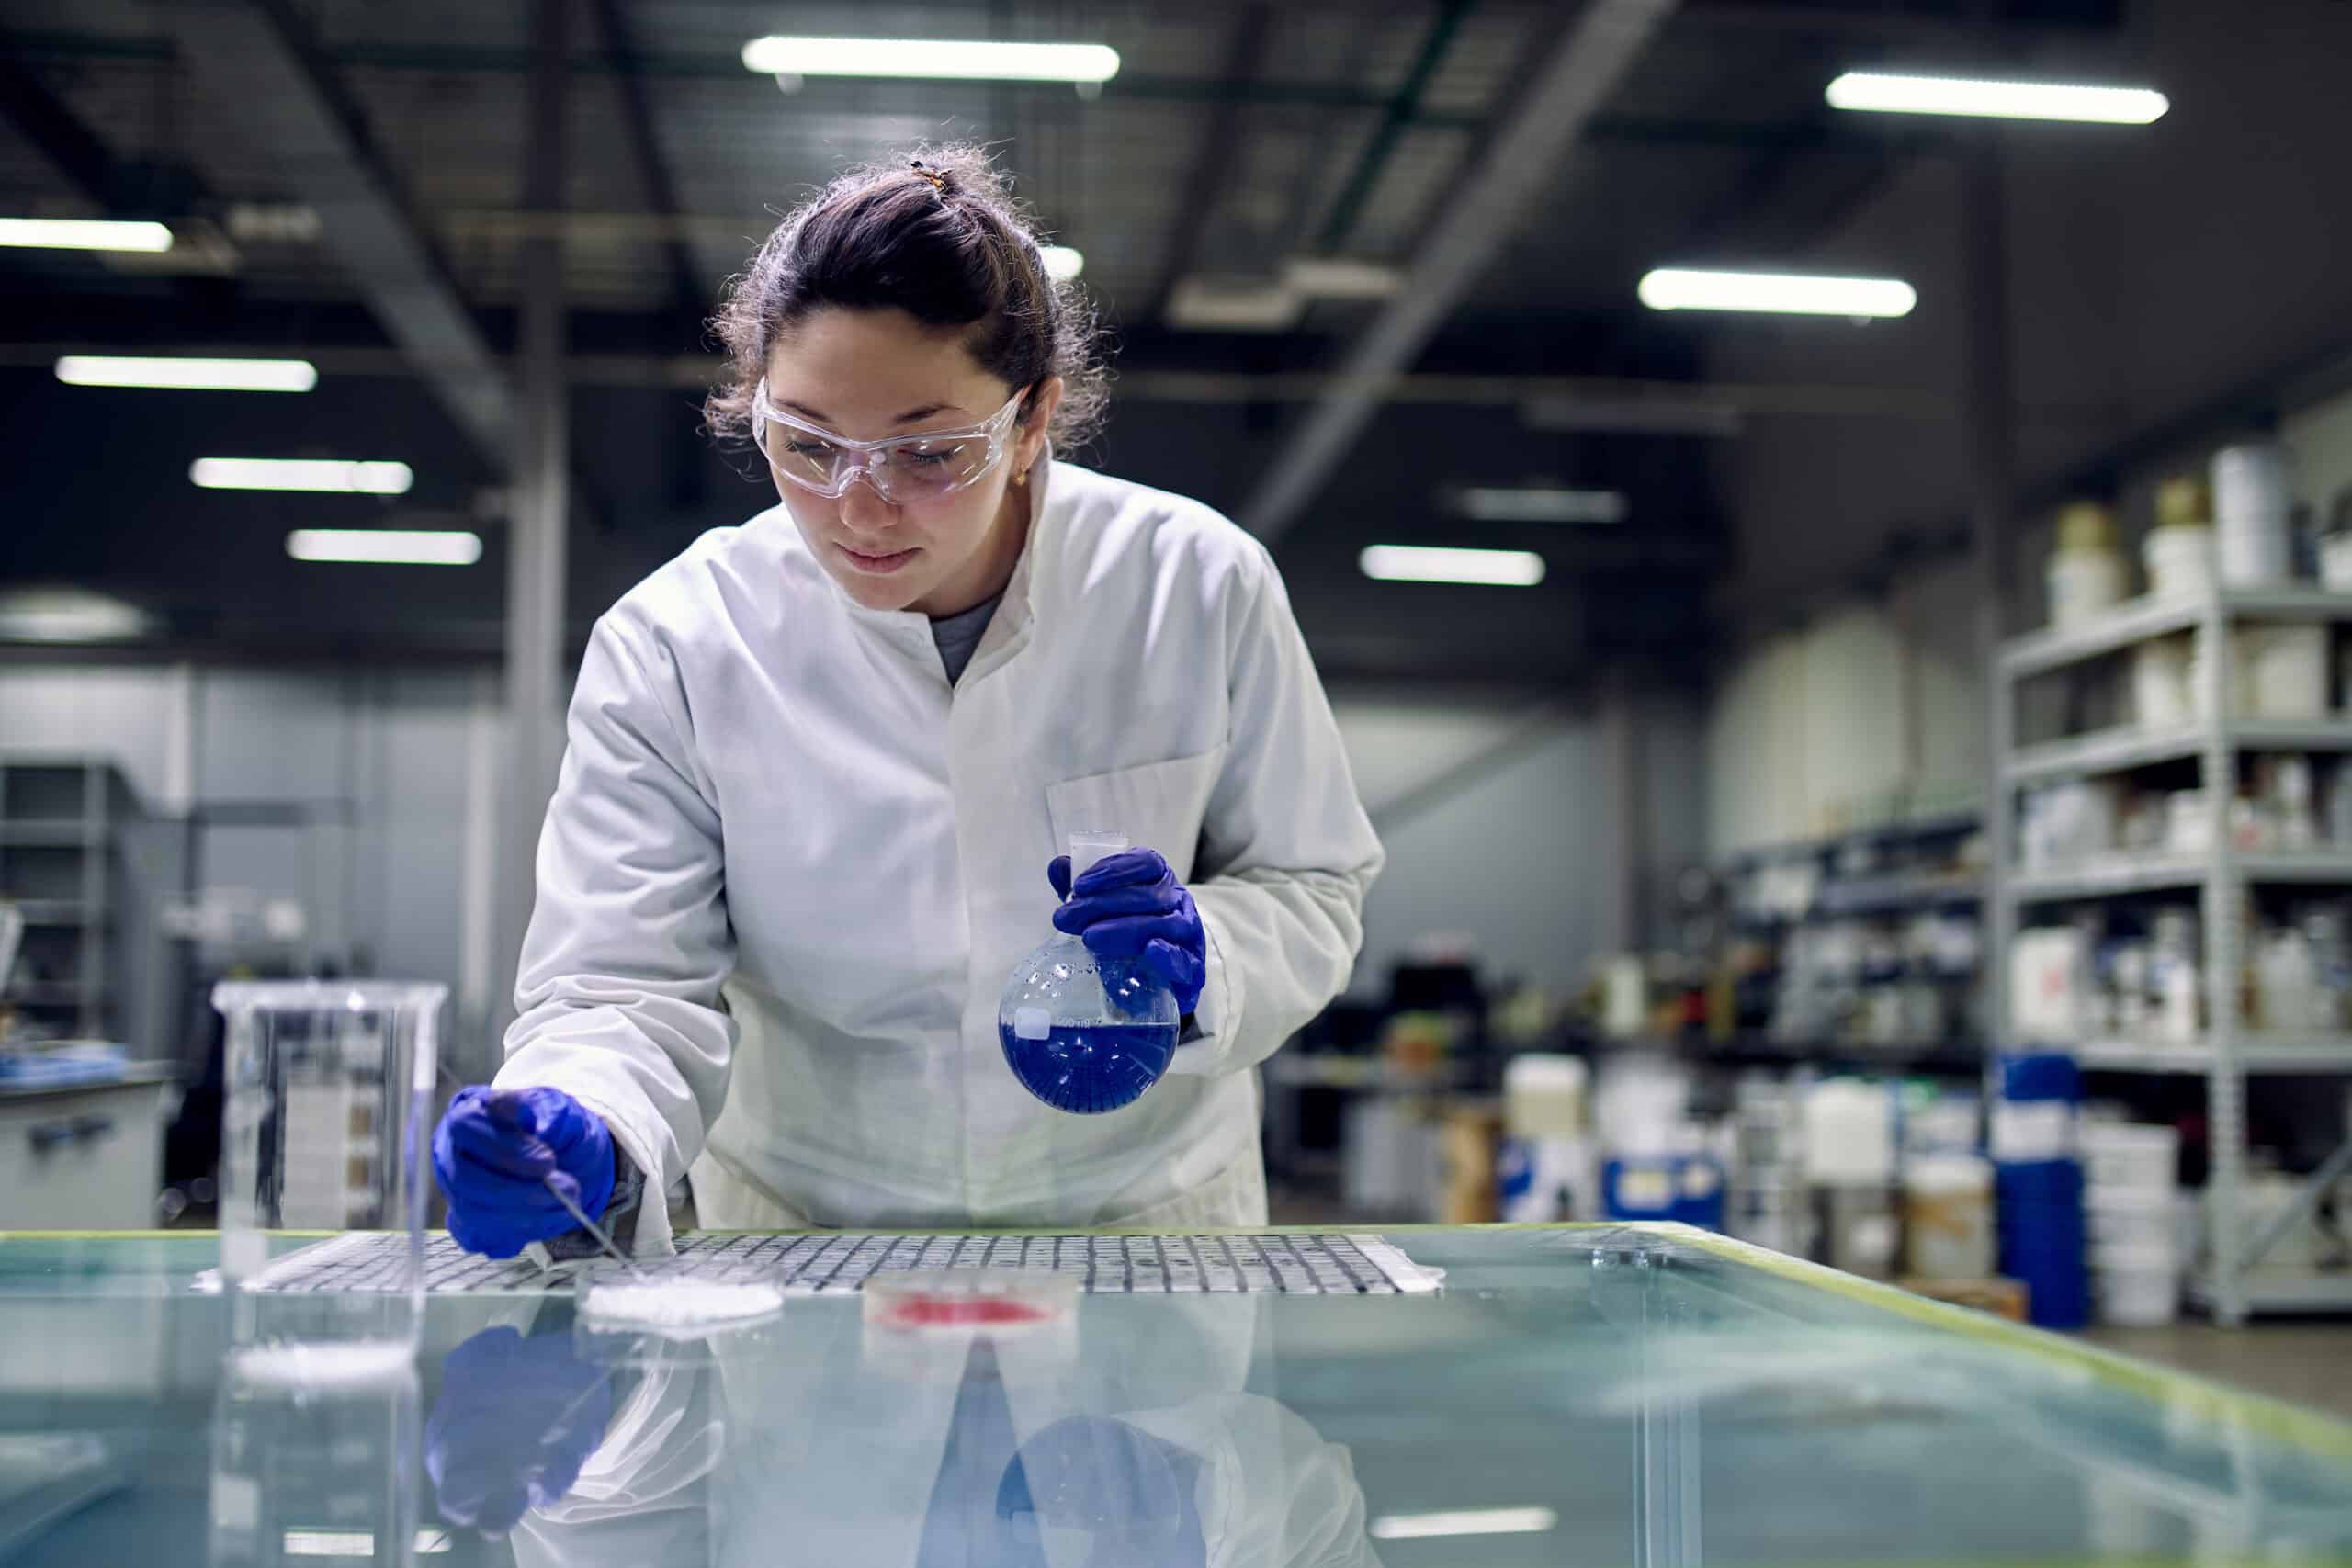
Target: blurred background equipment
x=1837 y=601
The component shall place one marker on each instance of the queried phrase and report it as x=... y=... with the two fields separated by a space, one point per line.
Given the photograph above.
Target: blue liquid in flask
x=1089 y=1068
x=1085 y=1034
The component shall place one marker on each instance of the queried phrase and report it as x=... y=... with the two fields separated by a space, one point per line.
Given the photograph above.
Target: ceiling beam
x=1403 y=109
x=1527 y=154
x=645 y=145
x=1214 y=164
x=266 y=75
x=43 y=119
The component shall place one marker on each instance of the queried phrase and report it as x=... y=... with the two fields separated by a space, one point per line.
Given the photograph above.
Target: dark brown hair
x=940 y=235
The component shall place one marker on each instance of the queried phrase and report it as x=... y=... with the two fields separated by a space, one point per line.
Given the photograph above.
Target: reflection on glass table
x=1575 y=1395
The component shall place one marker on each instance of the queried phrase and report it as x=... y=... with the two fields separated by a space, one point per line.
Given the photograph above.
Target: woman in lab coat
x=819 y=764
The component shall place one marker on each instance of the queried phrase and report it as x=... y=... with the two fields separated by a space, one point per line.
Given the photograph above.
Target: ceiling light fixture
x=1540 y=504
x=1340 y=278
x=1466 y=1521
x=83 y=234
x=1439 y=563
x=1878 y=92
x=333 y=476
x=932 y=59
x=1062 y=262
x=386 y=546
x=188 y=375
x=69 y=615
x=1683 y=288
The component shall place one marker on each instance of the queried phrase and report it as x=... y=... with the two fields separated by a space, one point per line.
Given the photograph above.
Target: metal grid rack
x=2229 y=1287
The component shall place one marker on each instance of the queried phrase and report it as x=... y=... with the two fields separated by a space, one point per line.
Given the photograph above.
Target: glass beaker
x=303 y=1470
x=324 y=1127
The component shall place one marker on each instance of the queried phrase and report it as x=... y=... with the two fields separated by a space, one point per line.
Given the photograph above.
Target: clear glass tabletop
x=1575 y=1395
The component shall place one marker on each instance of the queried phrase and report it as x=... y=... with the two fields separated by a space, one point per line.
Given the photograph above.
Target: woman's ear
x=1031 y=443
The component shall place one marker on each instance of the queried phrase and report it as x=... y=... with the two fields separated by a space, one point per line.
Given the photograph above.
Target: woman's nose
x=863 y=508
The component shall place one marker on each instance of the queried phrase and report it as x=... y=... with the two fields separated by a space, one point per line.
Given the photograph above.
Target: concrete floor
x=2307 y=1363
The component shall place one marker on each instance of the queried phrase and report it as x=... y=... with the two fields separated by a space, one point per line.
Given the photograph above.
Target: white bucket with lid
x=2253 y=498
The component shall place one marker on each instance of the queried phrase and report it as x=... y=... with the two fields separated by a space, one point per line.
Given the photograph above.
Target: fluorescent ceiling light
x=1681 y=289
x=1337 y=278
x=68 y=614
x=386 y=546
x=1536 y=504
x=1880 y=94
x=1062 y=264
x=330 y=474
x=83 y=234
x=952 y=58
x=1467 y=1521
x=1233 y=305
x=1433 y=563
x=196 y=375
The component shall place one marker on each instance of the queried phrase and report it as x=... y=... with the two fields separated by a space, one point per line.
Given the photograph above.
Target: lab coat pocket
x=1159 y=806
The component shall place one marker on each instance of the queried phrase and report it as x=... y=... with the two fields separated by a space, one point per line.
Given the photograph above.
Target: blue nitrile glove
x=493 y=1152
x=515 y=1421
x=1131 y=906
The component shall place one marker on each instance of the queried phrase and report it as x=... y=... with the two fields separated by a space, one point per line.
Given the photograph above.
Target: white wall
x=379 y=765
x=1505 y=826
x=1875 y=706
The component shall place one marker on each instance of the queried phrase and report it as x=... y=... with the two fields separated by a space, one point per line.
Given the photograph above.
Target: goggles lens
x=921 y=467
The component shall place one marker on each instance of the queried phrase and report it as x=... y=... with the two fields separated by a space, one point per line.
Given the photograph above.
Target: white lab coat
x=787 y=868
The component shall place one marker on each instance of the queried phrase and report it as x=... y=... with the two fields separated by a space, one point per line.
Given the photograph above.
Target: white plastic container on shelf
x=2179 y=552
x=2136 y=1290
x=2130 y=1220
x=1547 y=1162
x=2179 y=558
x=2049 y=985
x=2086 y=571
x=2164 y=689
x=1849 y=1135
x=2252 y=500
x=2282 y=672
x=2128 y=1158
x=1948 y=1216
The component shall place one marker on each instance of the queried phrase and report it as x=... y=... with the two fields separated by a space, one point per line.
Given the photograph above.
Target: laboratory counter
x=1607 y=1395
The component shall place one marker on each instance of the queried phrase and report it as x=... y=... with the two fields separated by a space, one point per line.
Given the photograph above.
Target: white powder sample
x=356 y=1364
x=681 y=1304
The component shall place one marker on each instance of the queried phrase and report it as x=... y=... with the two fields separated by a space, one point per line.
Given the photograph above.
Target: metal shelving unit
x=61 y=820
x=2231 y=1288
x=2130 y=746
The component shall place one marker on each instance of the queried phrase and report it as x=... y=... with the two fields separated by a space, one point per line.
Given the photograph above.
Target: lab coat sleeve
x=618 y=987
x=1287 y=854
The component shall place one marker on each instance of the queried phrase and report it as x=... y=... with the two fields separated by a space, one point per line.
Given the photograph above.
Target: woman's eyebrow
x=925 y=411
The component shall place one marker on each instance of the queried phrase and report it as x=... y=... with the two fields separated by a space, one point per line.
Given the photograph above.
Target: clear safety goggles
x=921 y=467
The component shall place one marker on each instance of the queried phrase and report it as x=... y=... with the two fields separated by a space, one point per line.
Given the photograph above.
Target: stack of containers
x=1947 y=1191
x=1657 y=1166
x=1850 y=1168
x=1767 y=1200
x=1548 y=1172
x=2134 y=1230
x=2038 y=1183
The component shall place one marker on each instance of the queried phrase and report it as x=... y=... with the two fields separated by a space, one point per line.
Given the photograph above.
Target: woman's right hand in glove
x=495 y=1153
